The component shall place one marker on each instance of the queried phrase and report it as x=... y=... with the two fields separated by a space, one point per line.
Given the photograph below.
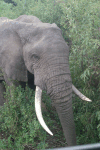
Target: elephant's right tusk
x=83 y=97
x=38 y=94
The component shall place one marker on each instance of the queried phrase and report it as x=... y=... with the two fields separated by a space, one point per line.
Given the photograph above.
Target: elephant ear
x=11 y=61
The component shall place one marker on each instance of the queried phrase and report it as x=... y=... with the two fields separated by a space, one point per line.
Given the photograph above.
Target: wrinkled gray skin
x=27 y=44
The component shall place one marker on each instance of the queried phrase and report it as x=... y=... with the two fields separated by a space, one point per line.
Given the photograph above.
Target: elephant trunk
x=61 y=93
x=65 y=113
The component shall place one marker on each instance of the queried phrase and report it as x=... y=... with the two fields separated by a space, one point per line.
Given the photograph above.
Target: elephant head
x=28 y=44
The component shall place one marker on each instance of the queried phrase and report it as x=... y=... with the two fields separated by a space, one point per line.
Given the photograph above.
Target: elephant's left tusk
x=83 y=97
x=38 y=94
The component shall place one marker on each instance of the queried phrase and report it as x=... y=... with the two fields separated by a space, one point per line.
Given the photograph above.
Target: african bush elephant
x=27 y=44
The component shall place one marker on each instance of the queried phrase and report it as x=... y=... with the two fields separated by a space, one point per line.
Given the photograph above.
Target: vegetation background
x=79 y=21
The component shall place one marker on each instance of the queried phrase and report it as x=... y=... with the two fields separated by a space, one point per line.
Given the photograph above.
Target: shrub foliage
x=18 y=121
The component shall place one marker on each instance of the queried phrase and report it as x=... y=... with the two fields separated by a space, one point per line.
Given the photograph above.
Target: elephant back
x=3 y=19
x=28 y=19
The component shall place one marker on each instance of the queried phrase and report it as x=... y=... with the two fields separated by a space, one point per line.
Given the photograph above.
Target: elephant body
x=28 y=45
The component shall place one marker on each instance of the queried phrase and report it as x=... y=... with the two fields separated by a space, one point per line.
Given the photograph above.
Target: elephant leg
x=11 y=82
x=2 y=90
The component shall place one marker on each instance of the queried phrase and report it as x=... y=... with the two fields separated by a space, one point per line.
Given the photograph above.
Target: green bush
x=98 y=127
x=81 y=20
x=46 y=11
x=86 y=121
x=5 y=9
x=18 y=121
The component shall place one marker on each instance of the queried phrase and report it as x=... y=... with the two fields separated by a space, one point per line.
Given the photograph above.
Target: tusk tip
x=38 y=95
x=89 y=100
x=51 y=133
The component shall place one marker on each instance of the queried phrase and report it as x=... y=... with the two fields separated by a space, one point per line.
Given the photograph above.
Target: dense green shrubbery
x=81 y=20
x=98 y=116
x=87 y=121
x=46 y=11
x=5 y=9
x=18 y=121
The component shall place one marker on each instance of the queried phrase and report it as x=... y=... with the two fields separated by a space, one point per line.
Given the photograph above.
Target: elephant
x=29 y=46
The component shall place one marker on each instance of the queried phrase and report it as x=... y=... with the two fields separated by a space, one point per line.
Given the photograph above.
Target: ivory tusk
x=38 y=95
x=83 y=97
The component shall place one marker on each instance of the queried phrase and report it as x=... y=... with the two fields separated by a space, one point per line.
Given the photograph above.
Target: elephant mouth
x=38 y=95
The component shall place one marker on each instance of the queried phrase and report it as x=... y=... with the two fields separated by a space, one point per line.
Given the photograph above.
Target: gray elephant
x=28 y=45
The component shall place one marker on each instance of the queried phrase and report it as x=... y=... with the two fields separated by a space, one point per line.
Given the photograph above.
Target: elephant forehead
x=44 y=41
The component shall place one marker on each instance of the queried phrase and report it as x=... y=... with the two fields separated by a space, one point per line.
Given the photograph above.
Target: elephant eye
x=36 y=56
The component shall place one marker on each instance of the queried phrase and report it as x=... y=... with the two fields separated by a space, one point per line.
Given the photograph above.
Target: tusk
x=83 y=97
x=38 y=95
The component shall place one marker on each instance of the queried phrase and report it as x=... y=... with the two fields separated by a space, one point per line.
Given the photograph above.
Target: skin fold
x=29 y=47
